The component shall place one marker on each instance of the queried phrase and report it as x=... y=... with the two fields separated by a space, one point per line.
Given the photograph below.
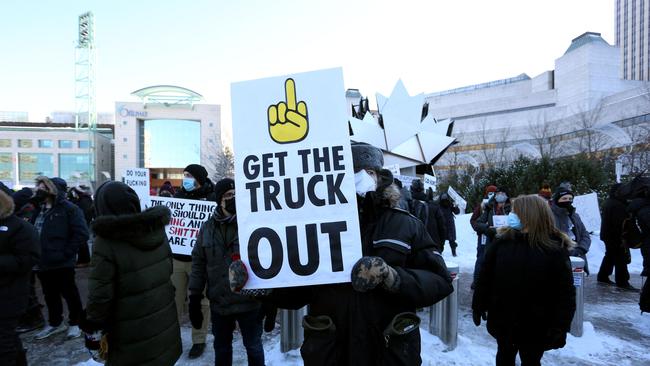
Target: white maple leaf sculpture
x=406 y=138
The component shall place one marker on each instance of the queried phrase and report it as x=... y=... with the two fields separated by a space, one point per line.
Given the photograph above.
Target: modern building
x=633 y=38
x=30 y=149
x=166 y=131
x=564 y=111
x=69 y=117
x=14 y=116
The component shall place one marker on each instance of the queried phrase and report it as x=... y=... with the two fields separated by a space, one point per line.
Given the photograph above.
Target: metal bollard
x=443 y=316
x=291 y=332
x=578 y=265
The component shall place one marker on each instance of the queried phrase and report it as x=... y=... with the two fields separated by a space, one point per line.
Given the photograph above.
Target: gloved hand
x=237 y=275
x=370 y=272
x=196 y=315
x=477 y=316
x=577 y=252
x=92 y=340
x=440 y=267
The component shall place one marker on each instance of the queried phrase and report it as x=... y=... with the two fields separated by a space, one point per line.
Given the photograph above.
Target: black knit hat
x=198 y=172
x=561 y=191
x=222 y=187
x=116 y=198
x=366 y=156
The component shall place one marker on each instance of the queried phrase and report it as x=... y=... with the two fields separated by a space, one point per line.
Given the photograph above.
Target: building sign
x=124 y=112
x=296 y=200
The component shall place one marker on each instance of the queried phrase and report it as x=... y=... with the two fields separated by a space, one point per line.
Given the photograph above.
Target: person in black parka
x=449 y=210
x=19 y=252
x=372 y=320
x=525 y=287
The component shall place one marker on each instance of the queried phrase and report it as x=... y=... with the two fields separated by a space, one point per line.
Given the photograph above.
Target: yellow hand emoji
x=288 y=122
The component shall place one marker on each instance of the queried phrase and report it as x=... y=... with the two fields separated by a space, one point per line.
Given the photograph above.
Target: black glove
x=369 y=272
x=269 y=312
x=440 y=267
x=196 y=315
x=477 y=316
x=556 y=338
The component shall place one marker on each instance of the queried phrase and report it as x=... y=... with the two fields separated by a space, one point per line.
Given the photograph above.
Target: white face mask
x=364 y=182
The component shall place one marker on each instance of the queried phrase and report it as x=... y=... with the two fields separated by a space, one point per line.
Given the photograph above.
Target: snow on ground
x=615 y=333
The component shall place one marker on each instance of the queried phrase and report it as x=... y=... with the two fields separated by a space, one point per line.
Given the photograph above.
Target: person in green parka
x=130 y=294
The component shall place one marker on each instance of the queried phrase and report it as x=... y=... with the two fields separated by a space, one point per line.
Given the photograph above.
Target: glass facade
x=74 y=167
x=6 y=167
x=31 y=166
x=5 y=142
x=83 y=144
x=25 y=143
x=65 y=144
x=45 y=143
x=168 y=143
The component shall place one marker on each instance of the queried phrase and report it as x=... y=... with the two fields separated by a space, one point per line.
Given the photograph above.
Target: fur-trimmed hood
x=144 y=229
x=6 y=205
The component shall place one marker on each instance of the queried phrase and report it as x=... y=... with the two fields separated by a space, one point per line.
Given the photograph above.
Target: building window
x=47 y=144
x=5 y=142
x=65 y=144
x=31 y=166
x=6 y=167
x=124 y=123
x=210 y=124
x=74 y=167
x=83 y=144
x=124 y=139
x=25 y=144
x=124 y=156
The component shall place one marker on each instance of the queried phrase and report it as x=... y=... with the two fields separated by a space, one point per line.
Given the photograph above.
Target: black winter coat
x=611 y=225
x=484 y=225
x=436 y=225
x=63 y=232
x=130 y=293
x=19 y=252
x=359 y=319
x=212 y=254
x=449 y=212
x=527 y=291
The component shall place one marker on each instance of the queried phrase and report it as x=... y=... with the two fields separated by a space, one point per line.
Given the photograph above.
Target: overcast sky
x=206 y=45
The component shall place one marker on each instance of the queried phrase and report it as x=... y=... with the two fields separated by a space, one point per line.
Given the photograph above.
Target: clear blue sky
x=206 y=45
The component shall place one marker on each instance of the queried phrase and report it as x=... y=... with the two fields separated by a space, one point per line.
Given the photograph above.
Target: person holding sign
x=217 y=246
x=569 y=222
x=196 y=186
x=493 y=216
x=372 y=320
x=525 y=289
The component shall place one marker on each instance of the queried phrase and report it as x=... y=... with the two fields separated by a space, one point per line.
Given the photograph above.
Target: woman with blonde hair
x=525 y=287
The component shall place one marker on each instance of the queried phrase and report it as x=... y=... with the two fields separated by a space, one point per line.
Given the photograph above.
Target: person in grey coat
x=568 y=221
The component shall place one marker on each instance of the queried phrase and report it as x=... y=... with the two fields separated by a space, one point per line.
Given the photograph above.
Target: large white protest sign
x=429 y=181
x=296 y=201
x=460 y=201
x=587 y=207
x=138 y=180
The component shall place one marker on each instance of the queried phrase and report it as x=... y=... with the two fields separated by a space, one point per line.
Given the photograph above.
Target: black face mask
x=41 y=195
x=230 y=206
x=567 y=205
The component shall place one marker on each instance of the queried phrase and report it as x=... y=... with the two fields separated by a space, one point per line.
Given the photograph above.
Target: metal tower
x=85 y=93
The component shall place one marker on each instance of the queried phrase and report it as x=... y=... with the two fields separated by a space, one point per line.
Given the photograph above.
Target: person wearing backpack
x=611 y=232
x=62 y=229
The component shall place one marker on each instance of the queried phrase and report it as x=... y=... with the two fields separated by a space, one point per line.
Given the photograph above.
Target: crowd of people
x=139 y=291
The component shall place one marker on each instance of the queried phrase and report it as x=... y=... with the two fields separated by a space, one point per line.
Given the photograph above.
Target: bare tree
x=494 y=145
x=589 y=140
x=545 y=135
x=220 y=161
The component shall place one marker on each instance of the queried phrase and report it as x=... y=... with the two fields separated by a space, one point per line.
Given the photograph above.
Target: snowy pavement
x=615 y=333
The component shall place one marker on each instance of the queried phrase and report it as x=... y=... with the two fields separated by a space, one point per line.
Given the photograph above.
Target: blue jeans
x=250 y=325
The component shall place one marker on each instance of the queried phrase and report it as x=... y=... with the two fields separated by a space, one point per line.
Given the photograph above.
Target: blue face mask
x=513 y=221
x=188 y=184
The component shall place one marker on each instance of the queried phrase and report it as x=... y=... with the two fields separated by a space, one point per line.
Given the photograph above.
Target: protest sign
x=394 y=168
x=406 y=180
x=296 y=200
x=186 y=220
x=138 y=180
x=429 y=182
x=587 y=207
x=460 y=201
x=500 y=220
